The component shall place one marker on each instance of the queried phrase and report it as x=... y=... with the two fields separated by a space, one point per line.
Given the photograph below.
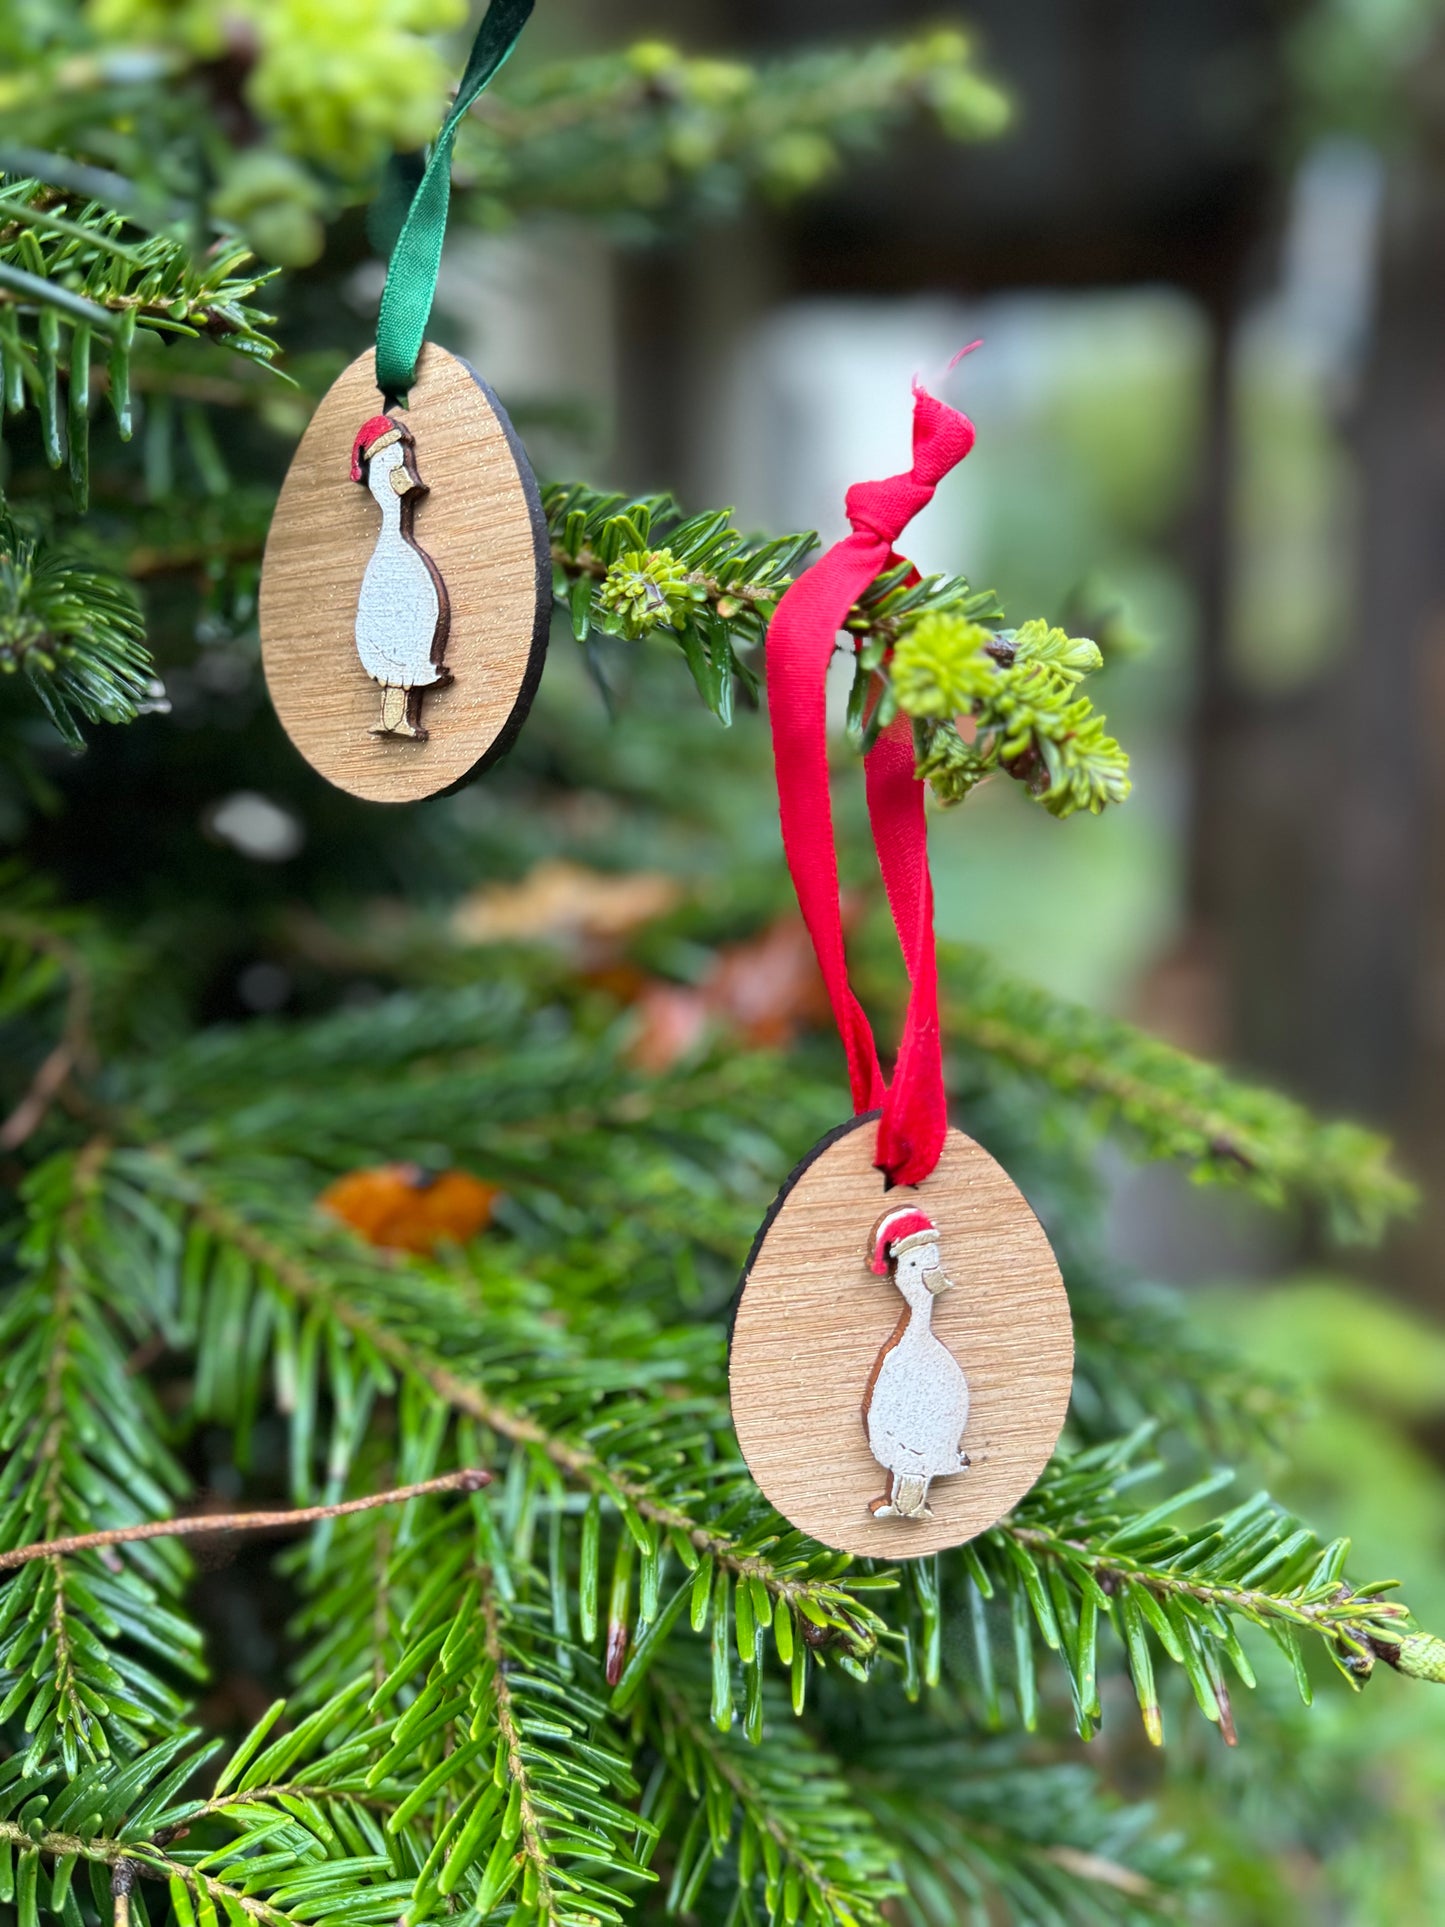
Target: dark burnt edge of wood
x=542 y=618
x=793 y=1178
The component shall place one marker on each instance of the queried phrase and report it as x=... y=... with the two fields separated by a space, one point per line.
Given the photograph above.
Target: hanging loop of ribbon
x=411 y=276
x=801 y=640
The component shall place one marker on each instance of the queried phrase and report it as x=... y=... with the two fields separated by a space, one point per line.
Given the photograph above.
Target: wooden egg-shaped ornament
x=406 y=586
x=901 y=1359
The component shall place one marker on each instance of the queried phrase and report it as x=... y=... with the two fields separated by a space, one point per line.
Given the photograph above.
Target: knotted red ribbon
x=801 y=641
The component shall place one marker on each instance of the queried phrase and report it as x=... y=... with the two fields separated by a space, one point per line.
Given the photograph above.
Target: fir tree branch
x=127 y=1858
x=66 y=277
x=1171 y=1105
x=1225 y=1407
x=267 y=1292
x=641 y=136
x=74 y=1047
x=155 y=280
x=979 y=1827
x=211 y=1522
x=73 y=631
x=651 y=131
x=123 y=1822
x=816 y=1601
x=1081 y=1557
x=509 y=1726
x=525 y=1785
x=1072 y=1532
x=635 y=568
x=1020 y=690
x=806 y=1846
x=52 y=1416
x=375 y=1817
x=83 y=1438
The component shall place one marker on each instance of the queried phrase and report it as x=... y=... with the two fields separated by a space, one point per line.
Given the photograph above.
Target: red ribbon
x=801 y=641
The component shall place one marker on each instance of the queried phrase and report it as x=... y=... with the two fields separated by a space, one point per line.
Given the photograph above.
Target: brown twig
x=468 y=1480
x=130 y=1860
x=44 y=1089
x=703 y=1737
x=74 y=1048
x=577 y=1460
x=1342 y=1617
x=534 y=1842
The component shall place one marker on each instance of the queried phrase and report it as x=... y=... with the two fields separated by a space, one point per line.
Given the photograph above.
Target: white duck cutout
x=401 y=613
x=915 y=1405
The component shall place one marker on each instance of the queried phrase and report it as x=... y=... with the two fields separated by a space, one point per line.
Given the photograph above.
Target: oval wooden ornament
x=819 y=1338
x=404 y=621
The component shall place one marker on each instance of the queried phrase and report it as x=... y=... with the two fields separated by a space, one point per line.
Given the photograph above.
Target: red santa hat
x=368 y=438
x=904 y=1224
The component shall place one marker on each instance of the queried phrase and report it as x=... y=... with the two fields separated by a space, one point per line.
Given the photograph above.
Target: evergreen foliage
x=68 y=276
x=75 y=631
x=303 y=103
x=610 y=1682
x=638 y=568
x=650 y=1605
x=651 y=133
x=1167 y=1104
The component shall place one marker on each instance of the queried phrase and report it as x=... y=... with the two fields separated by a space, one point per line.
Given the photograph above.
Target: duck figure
x=401 y=613
x=915 y=1405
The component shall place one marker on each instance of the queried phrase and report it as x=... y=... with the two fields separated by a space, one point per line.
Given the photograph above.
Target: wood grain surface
x=812 y=1317
x=480 y=522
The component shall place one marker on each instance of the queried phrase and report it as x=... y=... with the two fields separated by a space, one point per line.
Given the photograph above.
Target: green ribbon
x=411 y=277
